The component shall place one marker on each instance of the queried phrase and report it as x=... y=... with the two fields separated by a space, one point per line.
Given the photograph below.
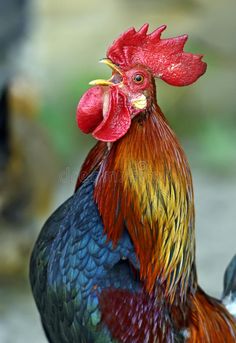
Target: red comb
x=164 y=57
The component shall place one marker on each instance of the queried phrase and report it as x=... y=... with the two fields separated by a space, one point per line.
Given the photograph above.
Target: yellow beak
x=102 y=82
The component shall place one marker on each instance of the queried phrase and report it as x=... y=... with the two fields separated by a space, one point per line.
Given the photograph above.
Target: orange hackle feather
x=145 y=185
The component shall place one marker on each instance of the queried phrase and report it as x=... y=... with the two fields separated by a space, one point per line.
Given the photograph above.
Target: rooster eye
x=138 y=78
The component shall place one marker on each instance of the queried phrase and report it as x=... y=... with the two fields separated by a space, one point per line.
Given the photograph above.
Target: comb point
x=166 y=58
x=143 y=29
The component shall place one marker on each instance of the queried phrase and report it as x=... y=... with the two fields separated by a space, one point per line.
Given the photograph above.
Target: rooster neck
x=144 y=185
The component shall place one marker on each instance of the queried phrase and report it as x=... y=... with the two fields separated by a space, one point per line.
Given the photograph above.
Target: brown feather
x=209 y=321
x=145 y=185
x=91 y=162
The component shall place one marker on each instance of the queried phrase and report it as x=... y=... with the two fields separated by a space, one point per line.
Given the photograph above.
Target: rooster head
x=106 y=110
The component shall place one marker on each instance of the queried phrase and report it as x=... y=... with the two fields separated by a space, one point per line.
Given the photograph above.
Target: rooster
x=116 y=262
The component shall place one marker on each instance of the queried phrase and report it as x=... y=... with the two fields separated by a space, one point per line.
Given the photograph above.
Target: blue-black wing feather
x=72 y=262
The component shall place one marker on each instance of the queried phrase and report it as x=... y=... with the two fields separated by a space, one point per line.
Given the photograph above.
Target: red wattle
x=117 y=119
x=89 y=111
x=103 y=112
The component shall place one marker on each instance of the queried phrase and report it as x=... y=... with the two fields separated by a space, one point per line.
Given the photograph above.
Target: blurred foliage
x=69 y=38
x=58 y=114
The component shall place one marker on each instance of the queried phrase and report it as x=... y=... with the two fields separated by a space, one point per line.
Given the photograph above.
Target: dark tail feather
x=229 y=293
x=230 y=278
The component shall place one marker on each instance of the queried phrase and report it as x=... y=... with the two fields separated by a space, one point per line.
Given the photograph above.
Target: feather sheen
x=144 y=186
x=148 y=189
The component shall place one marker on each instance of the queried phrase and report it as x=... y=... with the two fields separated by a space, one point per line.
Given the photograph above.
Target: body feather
x=145 y=185
x=116 y=262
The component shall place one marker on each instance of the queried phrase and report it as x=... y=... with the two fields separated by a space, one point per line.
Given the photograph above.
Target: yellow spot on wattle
x=139 y=102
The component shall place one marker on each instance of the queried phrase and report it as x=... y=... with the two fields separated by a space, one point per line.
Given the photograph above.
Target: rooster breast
x=72 y=263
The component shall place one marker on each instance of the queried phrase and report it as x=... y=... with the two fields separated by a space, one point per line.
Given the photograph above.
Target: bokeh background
x=48 y=53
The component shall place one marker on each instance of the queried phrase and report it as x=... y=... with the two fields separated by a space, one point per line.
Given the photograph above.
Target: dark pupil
x=138 y=78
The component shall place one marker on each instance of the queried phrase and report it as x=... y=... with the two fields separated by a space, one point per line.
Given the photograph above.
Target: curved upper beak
x=109 y=82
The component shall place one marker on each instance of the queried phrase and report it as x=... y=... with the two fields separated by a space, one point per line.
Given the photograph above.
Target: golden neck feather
x=144 y=185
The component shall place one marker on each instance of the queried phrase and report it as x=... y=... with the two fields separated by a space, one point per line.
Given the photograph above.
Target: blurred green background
x=58 y=57
x=70 y=37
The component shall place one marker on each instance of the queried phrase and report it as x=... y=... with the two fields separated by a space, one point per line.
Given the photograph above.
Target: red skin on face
x=106 y=112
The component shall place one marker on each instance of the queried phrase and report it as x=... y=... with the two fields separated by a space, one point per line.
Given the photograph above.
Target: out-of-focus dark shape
x=26 y=160
x=13 y=25
x=4 y=128
x=230 y=279
x=26 y=175
x=12 y=29
x=25 y=157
